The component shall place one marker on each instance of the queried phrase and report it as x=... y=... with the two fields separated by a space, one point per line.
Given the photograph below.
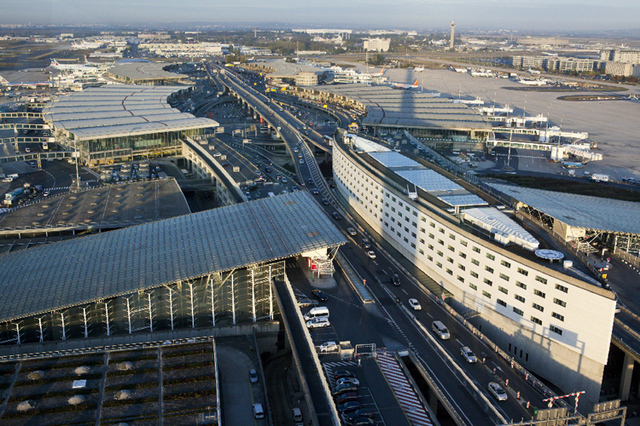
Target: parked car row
x=345 y=394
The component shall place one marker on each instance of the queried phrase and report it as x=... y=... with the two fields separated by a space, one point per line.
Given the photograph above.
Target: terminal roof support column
x=213 y=302
x=18 y=333
x=193 y=314
x=86 y=326
x=150 y=312
x=627 y=374
x=270 y=295
x=64 y=327
x=253 y=293
x=107 y=322
x=129 y=313
x=233 y=297
x=41 y=331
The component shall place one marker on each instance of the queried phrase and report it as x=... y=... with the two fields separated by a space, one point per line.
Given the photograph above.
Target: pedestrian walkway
x=402 y=389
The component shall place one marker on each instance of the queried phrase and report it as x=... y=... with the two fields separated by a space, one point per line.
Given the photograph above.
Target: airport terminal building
x=214 y=269
x=117 y=123
x=437 y=121
x=551 y=321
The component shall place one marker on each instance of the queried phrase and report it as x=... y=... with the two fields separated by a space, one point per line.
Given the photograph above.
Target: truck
x=596 y=177
x=11 y=198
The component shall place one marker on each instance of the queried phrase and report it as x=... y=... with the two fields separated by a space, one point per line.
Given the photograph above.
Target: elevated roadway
x=286 y=125
x=464 y=384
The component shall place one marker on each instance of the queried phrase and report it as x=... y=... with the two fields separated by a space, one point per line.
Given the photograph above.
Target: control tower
x=453 y=32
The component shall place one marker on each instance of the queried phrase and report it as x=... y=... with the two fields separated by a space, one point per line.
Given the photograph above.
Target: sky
x=546 y=15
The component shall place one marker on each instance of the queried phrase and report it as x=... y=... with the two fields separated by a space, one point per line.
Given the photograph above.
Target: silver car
x=468 y=354
x=498 y=391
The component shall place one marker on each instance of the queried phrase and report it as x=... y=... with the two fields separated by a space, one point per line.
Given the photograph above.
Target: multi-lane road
x=463 y=383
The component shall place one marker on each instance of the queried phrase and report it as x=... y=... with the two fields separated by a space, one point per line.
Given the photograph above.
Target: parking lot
x=373 y=392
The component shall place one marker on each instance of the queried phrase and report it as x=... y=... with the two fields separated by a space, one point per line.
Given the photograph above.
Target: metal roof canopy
x=116 y=113
x=104 y=107
x=503 y=228
x=96 y=267
x=581 y=211
x=365 y=144
x=463 y=200
x=126 y=130
x=386 y=106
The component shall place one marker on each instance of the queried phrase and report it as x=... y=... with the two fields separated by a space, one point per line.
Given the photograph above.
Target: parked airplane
x=460 y=70
x=378 y=74
x=402 y=86
x=27 y=84
x=531 y=82
x=73 y=67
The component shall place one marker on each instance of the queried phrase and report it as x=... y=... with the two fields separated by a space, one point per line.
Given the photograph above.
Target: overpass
x=258 y=103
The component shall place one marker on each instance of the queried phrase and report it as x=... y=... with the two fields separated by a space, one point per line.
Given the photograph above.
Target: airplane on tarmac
x=402 y=86
x=73 y=67
x=27 y=84
x=378 y=74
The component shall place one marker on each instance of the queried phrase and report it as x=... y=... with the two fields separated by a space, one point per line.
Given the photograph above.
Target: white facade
x=553 y=324
x=377 y=44
x=624 y=69
x=185 y=49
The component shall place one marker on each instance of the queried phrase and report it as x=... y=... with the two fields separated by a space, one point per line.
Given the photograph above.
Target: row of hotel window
x=464 y=243
x=452 y=236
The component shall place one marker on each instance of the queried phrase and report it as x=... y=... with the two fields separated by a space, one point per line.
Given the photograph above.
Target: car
x=371 y=254
x=336 y=215
x=329 y=347
x=267 y=169
x=301 y=161
x=310 y=181
x=325 y=201
x=365 y=243
x=348 y=406
x=415 y=305
x=468 y=354
x=315 y=191
x=361 y=421
x=362 y=412
x=304 y=301
x=253 y=376
x=258 y=411
x=498 y=391
x=318 y=322
x=347 y=396
x=320 y=295
x=46 y=193
x=27 y=150
x=345 y=387
x=351 y=380
x=395 y=279
x=341 y=374
x=351 y=231
x=284 y=180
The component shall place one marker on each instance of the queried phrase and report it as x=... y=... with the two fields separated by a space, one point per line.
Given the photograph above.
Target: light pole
x=75 y=154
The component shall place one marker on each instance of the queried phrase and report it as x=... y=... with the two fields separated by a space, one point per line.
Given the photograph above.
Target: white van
x=439 y=328
x=258 y=412
x=320 y=311
x=297 y=415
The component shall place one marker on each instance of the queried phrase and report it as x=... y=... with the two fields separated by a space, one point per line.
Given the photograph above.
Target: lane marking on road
x=404 y=291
